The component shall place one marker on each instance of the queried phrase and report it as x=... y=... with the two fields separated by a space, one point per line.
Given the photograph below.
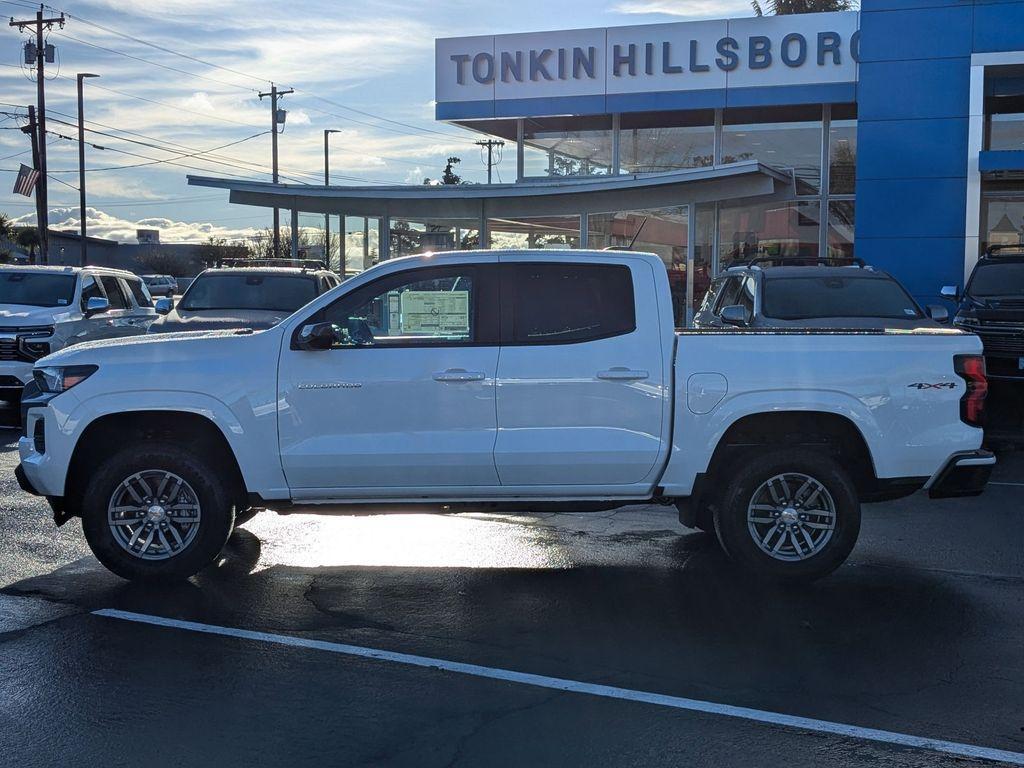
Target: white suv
x=43 y=309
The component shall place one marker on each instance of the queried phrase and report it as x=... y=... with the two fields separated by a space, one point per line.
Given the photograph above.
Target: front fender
x=252 y=437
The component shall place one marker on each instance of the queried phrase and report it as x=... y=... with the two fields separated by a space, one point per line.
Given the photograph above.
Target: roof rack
x=996 y=250
x=782 y=260
x=275 y=262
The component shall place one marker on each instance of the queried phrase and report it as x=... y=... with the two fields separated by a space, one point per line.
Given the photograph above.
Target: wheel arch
x=195 y=430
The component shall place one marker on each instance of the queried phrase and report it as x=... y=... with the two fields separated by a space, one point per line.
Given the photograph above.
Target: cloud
x=691 y=9
x=112 y=227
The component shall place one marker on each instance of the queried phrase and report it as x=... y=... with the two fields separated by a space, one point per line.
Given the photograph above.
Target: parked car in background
x=255 y=294
x=811 y=295
x=44 y=309
x=161 y=285
x=501 y=380
x=992 y=306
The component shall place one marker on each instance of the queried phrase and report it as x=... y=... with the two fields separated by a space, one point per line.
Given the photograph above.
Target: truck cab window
x=570 y=303
x=114 y=294
x=409 y=310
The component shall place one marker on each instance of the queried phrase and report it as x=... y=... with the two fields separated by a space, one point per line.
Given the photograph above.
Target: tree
x=216 y=250
x=7 y=231
x=784 y=7
x=449 y=176
x=167 y=262
x=28 y=237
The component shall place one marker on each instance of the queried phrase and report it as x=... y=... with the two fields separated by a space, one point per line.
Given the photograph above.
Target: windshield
x=803 y=298
x=998 y=279
x=280 y=293
x=36 y=289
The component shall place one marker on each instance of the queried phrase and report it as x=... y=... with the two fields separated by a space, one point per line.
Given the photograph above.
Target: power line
x=155 y=64
x=167 y=50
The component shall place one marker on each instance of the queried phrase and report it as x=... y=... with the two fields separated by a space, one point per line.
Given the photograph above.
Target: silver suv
x=43 y=309
x=251 y=293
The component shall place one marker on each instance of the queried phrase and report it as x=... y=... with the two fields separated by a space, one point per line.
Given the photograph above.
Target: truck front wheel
x=791 y=515
x=156 y=512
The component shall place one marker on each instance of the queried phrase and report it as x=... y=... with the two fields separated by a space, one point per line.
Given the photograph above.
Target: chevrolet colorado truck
x=502 y=381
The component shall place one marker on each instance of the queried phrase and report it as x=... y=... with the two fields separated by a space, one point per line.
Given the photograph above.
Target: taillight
x=971 y=368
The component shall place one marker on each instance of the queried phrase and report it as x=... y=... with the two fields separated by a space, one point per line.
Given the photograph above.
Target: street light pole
x=81 y=164
x=327 y=183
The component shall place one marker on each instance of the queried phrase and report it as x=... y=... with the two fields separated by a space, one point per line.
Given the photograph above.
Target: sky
x=364 y=68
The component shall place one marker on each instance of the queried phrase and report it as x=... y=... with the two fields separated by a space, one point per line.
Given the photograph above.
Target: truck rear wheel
x=791 y=515
x=157 y=513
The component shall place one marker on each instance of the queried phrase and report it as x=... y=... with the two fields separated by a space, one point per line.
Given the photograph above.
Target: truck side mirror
x=737 y=315
x=95 y=305
x=164 y=306
x=317 y=336
x=937 y=313
x=951 y=292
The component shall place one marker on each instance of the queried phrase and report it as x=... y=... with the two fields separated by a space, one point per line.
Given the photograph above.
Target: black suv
x=992 y=306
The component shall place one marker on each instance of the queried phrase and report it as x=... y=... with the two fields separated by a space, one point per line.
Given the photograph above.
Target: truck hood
x=19 y=315
x=146 y=349
x=217 y=319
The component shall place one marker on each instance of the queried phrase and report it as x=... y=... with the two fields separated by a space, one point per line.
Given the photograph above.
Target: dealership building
x=895 y=134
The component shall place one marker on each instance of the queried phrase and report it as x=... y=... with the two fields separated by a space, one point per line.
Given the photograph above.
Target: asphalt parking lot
x=604 y=639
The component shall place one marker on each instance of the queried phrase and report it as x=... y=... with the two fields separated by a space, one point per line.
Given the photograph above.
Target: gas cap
x=704 y=391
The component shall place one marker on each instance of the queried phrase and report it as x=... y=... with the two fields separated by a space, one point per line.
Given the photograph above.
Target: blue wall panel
x=998 y=27
x=907 y=90
x=901 y=149
x=923 y=265
x=901 y=35
x=911 y=207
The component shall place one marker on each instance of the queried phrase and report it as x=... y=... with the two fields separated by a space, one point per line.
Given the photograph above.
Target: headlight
x=57 y=379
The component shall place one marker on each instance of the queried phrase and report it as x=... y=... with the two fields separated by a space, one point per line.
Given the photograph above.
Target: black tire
x=734 y=530
x=245 y=515
x=212 y=493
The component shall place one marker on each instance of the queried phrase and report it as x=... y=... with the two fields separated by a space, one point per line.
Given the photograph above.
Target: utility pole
x=276 y=119
x=491 y=144
x=81 y=165
x=42 y=53
x=30 y=129
x=327 y=183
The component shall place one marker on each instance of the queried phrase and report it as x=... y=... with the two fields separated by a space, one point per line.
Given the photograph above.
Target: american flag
x=26 y=181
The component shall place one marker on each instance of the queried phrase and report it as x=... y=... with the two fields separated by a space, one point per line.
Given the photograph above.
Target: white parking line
x=573 y=686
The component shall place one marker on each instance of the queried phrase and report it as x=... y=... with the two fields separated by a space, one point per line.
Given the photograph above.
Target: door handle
x=622 y=374
x=458 y=374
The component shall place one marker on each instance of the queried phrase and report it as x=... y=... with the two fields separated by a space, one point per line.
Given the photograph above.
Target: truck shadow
x=695 y=628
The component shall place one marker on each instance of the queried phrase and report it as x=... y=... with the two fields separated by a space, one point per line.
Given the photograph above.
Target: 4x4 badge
x=939 y=385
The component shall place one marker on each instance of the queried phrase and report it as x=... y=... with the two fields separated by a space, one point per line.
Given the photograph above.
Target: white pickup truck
x=502 y=381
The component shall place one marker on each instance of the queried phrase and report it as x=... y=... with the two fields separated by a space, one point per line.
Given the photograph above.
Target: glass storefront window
x=788 y=144
x=1002 y=218
x=842 y=157
x=535 y=232
x=579 y=146
x=1006 y=131
x=768 y=229
x=666 y=141
x=412 y=237
x=662 y=231
x=840 y=229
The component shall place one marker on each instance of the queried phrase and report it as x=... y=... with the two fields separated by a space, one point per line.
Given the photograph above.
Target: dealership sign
x=809 y=49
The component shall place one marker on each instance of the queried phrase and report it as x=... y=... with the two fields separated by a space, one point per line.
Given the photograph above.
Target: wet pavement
x=920 y=634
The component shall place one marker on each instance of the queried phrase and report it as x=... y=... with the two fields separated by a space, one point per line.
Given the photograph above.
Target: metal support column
x=384 y=238
x=519 y=150
x=826 y=129
x=484 y=235
x=366 y=242
x=295 y=233
x=584 y=230
x=616 y=144
x=342 y=231
x=691 y=250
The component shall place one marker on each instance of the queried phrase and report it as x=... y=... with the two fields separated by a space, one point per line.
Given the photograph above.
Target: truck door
x=405 y=398
x=581 y=379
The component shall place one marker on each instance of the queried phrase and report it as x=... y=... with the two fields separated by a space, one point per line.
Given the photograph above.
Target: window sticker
x=435 y=313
